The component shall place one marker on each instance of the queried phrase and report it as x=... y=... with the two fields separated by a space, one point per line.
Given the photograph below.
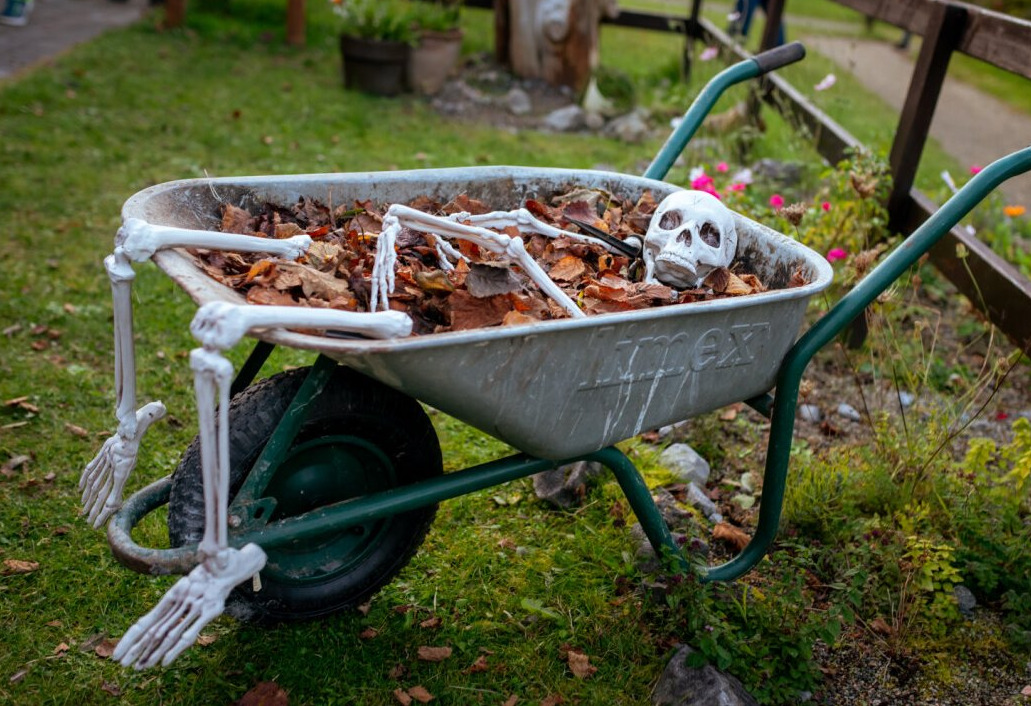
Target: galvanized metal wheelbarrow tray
x=557 y=391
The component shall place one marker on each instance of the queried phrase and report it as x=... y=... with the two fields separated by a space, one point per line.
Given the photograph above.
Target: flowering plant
x=387 y=20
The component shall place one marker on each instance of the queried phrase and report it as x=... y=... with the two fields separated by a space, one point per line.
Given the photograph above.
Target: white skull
x=691 y=234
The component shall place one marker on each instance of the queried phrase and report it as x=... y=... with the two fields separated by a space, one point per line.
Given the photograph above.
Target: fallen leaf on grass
x=402 y=697
x=480 y=665
x=106 y=648
x=1026 y=691
x=552 y=700
x=420 y=694
x=580 y=664
x=12 y=464
x=111 y=688
x=368 y=633
x=77 y=430
x=434 y=654
x=727 y=532
x=511 y=700
x=55 y=624
x=61 y=649
x=17 y=566
x=880 y=626
x=18 y=676
x=266 y=693
x=398 y=671
x=206 y=639
x=433 y=622
x=364 y=608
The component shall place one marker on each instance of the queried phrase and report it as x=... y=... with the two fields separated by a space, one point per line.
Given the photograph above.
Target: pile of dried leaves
x=485 y=291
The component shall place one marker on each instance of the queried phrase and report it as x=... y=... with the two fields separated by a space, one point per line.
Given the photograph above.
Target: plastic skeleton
x=199 y=597
x=690 y=234
x=103 y=480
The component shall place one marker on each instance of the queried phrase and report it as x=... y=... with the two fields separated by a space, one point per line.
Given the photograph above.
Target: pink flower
x=836 y=254
x=975 y=169
x=826 y=205
x=709 y=53
x=722 y=167
x=737 y=186
x=776 y=200
x=827 y=81
x=702 y=182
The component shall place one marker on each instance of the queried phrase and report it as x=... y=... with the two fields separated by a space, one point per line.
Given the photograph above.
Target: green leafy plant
x=385 y=20
x=436 y=15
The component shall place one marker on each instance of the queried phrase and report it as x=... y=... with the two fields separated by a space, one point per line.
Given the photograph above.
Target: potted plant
x=438 y=44
x=375 y=37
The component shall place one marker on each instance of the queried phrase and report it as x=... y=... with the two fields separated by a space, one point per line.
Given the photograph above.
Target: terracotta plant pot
x=373 y=65
x=433 y=59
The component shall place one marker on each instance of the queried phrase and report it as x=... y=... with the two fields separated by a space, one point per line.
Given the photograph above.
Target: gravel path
x=973 y=127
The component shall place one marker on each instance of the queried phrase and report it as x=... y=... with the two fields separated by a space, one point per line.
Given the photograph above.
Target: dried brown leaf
x=486 y=280
x=287 y=230
x=61 y=649
x=469 y=312
x=77 y=430
x=266 y=296
x=364 y=608
x=13 y=463
x=434 y=282
x=433 y=622
x=420 y=694
x=480 y=665
x=569 y=269
x=552 y=700
x=368 y=633
x=734 y=536
x=312 y=282
x=427 y=653
x=266 y=693
x=112 y=688
x=518 y=318
x=206 y=639
x=511 y=701
x=236 y=220
x=18 y=566
x=402 y=697
x=106 y=648
x=881 y=627
x=580 y=664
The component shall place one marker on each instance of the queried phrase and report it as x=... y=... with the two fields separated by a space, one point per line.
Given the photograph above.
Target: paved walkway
x=57 y=25
x=973 y=127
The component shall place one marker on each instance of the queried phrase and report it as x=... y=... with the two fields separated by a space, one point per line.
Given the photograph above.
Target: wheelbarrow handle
x=742 y=71
x=789 y=376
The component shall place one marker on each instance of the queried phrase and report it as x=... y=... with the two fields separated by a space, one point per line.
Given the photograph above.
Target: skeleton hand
x=103 y=480
x=194 y=601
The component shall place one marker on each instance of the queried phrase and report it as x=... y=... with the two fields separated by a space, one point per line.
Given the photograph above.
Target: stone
x=567 y=119
x=810 y=413
x=675 y=517
x=631 y=128
x=749 y=481
x=681 y=685
x=594 y=121
x=966 y=600
x=849 y=412
x=518 y=101
x=906 y=398
x=564 y=486
x=784 y=173
x=685 y=463
x=697 y=497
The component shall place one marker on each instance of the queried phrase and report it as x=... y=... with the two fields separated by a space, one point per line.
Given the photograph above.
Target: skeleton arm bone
x=140 y=240
x=398 y=215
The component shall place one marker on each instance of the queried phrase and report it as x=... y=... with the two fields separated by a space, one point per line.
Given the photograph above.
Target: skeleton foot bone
x=194 y=601
x=199 y=597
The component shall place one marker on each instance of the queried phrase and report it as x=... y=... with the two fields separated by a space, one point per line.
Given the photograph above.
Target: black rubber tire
x=404 y=444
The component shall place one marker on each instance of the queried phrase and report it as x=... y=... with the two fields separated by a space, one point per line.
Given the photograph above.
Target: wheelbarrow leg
x=640 y=499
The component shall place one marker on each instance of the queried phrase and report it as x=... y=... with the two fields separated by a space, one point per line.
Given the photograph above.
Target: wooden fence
x=994 y=286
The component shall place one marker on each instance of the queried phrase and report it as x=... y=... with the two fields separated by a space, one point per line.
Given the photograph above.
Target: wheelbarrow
x=335 y=472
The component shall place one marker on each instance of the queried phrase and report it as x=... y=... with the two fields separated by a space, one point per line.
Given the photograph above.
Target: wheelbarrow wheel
x=359 y=437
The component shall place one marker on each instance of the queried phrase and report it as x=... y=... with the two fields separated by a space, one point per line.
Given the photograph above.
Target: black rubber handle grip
x=779 y=56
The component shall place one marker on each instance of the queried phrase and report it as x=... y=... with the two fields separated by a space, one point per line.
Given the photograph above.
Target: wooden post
x=502 y=33
x=690 y=34
x=175 y=13
x=774 y=17
x=945 y=27
x=295 y=23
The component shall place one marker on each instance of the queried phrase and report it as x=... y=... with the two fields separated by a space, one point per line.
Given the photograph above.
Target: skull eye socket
x=709 y=234
x=670 y=220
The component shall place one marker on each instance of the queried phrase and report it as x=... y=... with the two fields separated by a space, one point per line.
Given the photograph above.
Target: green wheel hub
x=317 y=473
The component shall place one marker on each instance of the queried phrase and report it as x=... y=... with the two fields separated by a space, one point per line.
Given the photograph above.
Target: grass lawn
x=510 y=580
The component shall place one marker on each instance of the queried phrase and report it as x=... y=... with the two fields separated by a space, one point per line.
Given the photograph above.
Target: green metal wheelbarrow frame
x=249 y=507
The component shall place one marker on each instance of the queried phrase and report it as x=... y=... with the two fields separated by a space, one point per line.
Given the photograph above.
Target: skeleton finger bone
x=481 y=236
x=140 y=240
x=103 y=480
x=691 y=234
